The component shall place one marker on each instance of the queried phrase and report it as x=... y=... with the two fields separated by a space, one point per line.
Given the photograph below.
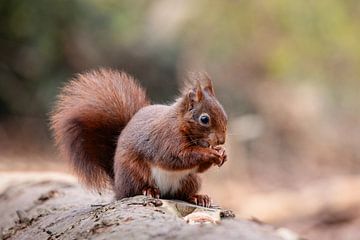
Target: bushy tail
x=89 y=115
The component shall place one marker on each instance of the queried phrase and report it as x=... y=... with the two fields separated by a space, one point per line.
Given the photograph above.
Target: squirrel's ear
x=194 y=95
x=209 y=86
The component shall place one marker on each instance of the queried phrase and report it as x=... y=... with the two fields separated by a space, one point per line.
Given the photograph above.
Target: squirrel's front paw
x=218 y=155
x=152 y=192
x=213 y=156
x=201 y=200
x=223 y=156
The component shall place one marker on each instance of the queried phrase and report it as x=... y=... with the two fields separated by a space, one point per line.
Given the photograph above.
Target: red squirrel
x=105 y=125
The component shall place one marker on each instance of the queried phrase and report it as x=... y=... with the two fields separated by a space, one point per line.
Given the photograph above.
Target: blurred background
x=287 y=73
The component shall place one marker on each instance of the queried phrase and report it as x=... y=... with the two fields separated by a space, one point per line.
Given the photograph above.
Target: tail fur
x=89 y=115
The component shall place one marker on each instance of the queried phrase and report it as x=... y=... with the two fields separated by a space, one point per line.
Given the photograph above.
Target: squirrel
x=105 y=125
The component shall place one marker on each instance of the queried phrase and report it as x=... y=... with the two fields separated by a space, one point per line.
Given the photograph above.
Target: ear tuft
x=195 y=95
x=198 y=91
x=208 y=86
x=192 y=96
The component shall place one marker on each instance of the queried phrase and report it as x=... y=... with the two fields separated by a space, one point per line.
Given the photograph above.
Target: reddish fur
x=90 y=113
x=189 y=187
x=97 y=109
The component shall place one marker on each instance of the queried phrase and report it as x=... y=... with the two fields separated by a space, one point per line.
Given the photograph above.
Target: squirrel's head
x=203 y=118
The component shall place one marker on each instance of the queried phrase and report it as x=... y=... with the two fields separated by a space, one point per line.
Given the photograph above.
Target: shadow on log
x=61 y=209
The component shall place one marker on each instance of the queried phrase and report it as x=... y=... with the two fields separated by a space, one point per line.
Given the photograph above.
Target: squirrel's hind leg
x=189 y=189
x=130 y=179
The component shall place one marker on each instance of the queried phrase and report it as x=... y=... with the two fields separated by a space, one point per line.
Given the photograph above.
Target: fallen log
x=61 y=209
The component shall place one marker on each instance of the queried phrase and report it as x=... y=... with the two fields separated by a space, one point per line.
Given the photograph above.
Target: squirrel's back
x=90 y=113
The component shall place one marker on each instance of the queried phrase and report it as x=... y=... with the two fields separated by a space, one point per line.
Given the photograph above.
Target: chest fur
x=169 y=182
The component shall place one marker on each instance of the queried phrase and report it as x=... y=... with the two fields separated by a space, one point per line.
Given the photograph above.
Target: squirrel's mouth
x=203 y=143
x=200 y=142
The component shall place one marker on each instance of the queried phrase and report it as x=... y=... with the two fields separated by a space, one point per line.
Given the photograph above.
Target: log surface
x=61 y=209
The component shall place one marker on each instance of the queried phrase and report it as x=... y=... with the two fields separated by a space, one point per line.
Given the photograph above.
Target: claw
x=152 y=192
x=200 y=200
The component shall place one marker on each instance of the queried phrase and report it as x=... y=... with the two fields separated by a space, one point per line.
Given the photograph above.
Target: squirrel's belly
x=167 y=181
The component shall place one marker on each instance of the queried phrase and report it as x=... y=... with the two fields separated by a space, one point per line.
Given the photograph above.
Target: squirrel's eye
x=204 y=119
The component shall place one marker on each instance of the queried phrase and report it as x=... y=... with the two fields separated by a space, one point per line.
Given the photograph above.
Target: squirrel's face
x=205 y=120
